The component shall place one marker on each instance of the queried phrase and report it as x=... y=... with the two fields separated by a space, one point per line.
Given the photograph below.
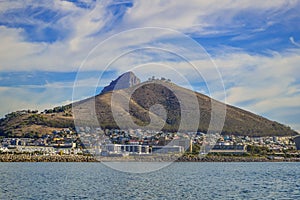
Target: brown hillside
x=238 y=121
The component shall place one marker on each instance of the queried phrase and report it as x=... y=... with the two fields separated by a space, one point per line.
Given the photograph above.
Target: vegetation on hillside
x=31 y=124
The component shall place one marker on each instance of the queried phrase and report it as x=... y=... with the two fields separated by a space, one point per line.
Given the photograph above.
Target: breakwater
x=45 y=158
x=82 y=158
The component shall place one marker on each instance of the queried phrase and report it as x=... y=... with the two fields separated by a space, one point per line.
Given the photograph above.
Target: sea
x=180 y=180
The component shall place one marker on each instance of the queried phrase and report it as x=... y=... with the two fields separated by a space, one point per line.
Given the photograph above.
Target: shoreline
x=82 y=158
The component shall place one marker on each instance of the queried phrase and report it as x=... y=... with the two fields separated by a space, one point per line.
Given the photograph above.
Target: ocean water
x=177 y=181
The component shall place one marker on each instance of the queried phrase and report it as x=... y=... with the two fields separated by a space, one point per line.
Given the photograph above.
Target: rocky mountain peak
x=126 y=80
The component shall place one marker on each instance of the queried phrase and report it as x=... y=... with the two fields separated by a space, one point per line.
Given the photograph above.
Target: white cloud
x=181 y=15
x=65 y=54
x=293 y=42
x=13 y=47
x=82 y=27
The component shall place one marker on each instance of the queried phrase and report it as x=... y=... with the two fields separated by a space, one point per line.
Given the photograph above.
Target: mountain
x=126 y=80
x=98 y=111
x=135 y=105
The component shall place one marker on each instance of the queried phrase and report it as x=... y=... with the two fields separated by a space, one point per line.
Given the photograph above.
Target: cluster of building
x=59 y=142
x=238 y=144
x=116 y=142
x=131 y=142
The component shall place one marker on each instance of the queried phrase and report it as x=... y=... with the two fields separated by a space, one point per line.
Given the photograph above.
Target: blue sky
x=255 y=46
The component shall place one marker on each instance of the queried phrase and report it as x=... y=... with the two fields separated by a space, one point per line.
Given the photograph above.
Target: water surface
x=177 y=181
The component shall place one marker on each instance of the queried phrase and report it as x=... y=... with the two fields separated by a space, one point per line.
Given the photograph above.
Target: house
x=297 y=142
x=229 y=149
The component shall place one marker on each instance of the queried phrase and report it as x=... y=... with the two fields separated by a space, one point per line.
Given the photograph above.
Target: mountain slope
x=237 y=122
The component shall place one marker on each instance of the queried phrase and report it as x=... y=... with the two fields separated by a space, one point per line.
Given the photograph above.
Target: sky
x=245 y=53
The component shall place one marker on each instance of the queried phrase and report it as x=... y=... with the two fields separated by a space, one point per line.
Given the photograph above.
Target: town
x=114 y=142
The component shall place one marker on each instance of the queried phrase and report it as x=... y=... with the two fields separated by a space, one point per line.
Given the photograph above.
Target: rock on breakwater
x=82 y=158
x=44 y=158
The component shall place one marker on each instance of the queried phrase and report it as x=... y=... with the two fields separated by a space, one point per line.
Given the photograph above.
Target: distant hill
x=33 y=124
x=97 y=111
